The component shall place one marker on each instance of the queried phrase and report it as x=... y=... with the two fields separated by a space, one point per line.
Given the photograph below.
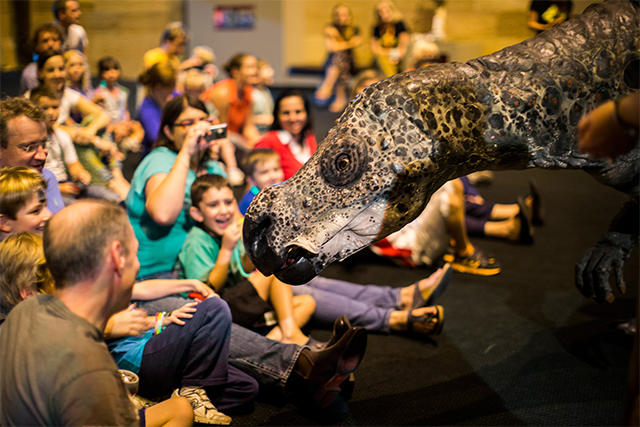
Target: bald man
x=56 y=369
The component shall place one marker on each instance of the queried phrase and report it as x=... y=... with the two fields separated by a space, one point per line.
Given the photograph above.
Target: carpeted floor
x=520 y=348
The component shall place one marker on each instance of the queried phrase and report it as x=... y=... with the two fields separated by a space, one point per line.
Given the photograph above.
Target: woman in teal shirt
x=159 y=198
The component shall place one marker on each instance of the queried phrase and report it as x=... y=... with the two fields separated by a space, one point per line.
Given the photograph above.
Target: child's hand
x=231 y=235
x=202 y=289
x=183 y=312
x=131 y=322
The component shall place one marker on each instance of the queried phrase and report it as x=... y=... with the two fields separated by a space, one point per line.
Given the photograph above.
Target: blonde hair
x=17 y=187
x=22 y=267
x=85 y=84
x=395 y=13
x=205 y=53
x=335 y=9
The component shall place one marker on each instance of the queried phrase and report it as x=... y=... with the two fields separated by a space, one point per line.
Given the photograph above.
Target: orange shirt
x=239 y=108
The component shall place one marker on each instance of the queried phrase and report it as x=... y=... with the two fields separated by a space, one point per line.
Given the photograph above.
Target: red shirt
x=290 y=165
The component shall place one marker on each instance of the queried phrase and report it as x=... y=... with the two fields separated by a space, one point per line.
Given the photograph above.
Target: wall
x=287 y=32
x=124 y=29
x=263 y=41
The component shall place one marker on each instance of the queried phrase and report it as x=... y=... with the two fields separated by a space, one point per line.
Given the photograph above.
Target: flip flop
x=425 y=318
x=436 y=290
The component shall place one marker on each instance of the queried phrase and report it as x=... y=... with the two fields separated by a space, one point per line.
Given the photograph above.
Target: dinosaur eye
x=343 y=162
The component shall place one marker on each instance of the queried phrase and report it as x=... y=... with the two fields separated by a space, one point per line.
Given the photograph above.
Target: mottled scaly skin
x=404 y=137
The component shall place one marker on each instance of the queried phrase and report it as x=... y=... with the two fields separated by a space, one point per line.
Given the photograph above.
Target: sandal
x=436 y=289
x=426 y=318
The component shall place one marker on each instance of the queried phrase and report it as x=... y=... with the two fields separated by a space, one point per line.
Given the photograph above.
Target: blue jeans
x=196 y=354
x=369 y=306
x=269 y=362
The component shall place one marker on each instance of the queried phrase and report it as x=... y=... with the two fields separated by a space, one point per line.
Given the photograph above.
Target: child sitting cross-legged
x=213 y=253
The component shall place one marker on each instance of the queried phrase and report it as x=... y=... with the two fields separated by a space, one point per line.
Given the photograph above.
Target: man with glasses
x=23 y=142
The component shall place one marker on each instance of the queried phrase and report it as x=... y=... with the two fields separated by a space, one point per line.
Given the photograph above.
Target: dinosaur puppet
x=405 y=136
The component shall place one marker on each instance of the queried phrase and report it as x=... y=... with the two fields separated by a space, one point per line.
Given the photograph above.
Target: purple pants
x=196 y=354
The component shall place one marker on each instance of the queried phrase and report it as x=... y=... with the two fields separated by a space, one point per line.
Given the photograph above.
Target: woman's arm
x=335 y=43
x=164 y=193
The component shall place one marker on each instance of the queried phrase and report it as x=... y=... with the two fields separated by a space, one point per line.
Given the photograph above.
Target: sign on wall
x=234 y=17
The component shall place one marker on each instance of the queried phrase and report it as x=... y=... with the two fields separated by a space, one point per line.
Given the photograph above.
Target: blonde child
x=262 y=168
x=213 y=252
x=23 y=204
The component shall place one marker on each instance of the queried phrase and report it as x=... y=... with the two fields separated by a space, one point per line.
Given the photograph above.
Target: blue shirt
x=54 y=198
x=247 y=199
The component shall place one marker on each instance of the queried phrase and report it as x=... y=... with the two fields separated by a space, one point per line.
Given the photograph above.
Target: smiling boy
x=23 y=205
x=213 y=253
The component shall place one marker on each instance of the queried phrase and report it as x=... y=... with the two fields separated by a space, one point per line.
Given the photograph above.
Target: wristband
x=631 y=130
x=159 y=319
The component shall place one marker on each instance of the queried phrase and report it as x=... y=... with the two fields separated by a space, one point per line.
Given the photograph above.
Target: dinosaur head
x=371 y=175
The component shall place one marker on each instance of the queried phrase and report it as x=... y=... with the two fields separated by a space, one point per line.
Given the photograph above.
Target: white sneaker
x=203 y=410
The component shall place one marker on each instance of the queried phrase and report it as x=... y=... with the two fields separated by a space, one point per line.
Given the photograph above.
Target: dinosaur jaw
x=302 y=258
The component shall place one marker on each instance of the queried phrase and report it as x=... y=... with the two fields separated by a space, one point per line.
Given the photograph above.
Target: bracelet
x=631 y=130
x=159 y=318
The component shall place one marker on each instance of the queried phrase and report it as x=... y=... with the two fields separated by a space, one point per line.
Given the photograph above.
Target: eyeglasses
x=32 y=148
x=190 y=122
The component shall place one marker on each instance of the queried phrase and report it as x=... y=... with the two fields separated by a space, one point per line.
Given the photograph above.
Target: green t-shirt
x=160 y=245
x=200 y=253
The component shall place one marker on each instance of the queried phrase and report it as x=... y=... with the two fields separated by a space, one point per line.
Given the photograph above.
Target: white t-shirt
x=76 y=38
x=61 y=151
x=69 y=100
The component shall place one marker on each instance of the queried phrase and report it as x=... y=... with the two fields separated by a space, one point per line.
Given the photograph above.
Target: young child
x=213 y=253
x=74 y=180
x=113 y=97
x=23 y=205
x=262 y=169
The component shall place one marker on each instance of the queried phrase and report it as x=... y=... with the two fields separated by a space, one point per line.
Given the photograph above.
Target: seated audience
x=47 y=38
x=308 y=378
x=74 y=180
x=213 y=253
x=90 y=253
x=23 y=204
x=232 y=98
x=340 y=38
x=291 y=134
x=390 y=38
x=376 y=308
x=23 y=142
x=100 y=157
x=161 y=183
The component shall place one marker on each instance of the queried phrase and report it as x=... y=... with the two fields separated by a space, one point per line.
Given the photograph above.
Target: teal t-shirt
x=160 y=245
x=200 y=253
